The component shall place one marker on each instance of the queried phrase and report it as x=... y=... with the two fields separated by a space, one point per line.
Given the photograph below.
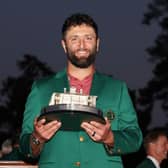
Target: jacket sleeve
x=32 y=110
x=128 y=136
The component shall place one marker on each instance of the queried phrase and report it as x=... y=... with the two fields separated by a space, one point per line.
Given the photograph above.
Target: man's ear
x=98 y=42
x=64 y=45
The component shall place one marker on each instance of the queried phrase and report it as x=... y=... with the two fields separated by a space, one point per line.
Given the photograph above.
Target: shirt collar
x=155 y=162
x=89 y=77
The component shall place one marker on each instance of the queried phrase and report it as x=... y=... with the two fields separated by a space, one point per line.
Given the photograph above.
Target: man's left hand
x=99 y=132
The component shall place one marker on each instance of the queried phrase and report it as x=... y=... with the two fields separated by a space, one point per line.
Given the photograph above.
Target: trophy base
x=71 y=115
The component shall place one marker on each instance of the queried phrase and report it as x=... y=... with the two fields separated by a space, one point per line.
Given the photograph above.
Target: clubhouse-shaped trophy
x=72 y=108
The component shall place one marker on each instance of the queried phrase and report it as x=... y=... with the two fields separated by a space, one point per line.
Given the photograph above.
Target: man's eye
x=74 y=39
x=89 y=38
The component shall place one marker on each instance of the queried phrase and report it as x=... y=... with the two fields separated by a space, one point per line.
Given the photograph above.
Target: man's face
x=161 y=148
x=81 y=45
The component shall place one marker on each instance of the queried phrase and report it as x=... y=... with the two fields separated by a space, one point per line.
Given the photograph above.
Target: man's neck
x=80 y=73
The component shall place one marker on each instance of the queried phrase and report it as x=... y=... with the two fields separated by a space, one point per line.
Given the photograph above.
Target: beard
x=82 y=62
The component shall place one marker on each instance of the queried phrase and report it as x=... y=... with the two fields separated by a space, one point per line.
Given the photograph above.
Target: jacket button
x=81 y=138
x=119 y=150
x=77 y=164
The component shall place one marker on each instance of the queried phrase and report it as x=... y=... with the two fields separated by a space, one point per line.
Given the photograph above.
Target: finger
x=92 y=131
x=108 y=123
x=54 y=123
x=39 y=123
x=87 y=126
x=107 y=120
x=42 y=128
x=50 y=132
x=97 y=124
x=50 y=129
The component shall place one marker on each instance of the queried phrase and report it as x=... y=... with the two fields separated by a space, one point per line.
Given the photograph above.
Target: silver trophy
x=72 y=108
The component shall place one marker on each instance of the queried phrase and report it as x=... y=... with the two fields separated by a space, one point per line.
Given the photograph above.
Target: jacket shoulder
x=110 y=80
x=44 y=80
x=50 y=79
x=146 y=163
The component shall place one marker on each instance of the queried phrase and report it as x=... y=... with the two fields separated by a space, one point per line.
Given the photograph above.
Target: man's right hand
x=44 y=131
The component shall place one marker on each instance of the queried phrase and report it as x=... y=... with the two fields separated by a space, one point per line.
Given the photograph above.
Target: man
x=97 y=145
x=156 y=147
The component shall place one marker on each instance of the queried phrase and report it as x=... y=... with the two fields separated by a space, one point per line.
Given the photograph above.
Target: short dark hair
x=153 y=135
x=78 y=19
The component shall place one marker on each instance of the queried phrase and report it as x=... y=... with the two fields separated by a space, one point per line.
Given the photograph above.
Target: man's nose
x=82 y=43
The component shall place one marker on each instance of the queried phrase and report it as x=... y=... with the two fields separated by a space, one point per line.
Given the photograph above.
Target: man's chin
x=82 y=65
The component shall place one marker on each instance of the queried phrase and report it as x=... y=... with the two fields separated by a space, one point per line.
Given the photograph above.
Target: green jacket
x=65 y=149
x=146 y=163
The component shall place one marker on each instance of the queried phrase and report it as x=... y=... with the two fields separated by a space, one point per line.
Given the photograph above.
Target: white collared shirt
x=155 y=162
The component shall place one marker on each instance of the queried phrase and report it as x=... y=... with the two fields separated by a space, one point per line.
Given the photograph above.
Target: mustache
x=78 y=50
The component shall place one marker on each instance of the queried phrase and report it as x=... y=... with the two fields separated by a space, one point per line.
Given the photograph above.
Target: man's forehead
x=162 y=138
x=80 y=29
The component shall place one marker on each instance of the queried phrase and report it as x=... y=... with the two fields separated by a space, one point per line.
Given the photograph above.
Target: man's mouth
x=82 y=52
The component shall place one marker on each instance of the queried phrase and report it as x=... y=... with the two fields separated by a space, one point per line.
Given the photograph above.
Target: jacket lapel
x=60 y=82
x=97 y=84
